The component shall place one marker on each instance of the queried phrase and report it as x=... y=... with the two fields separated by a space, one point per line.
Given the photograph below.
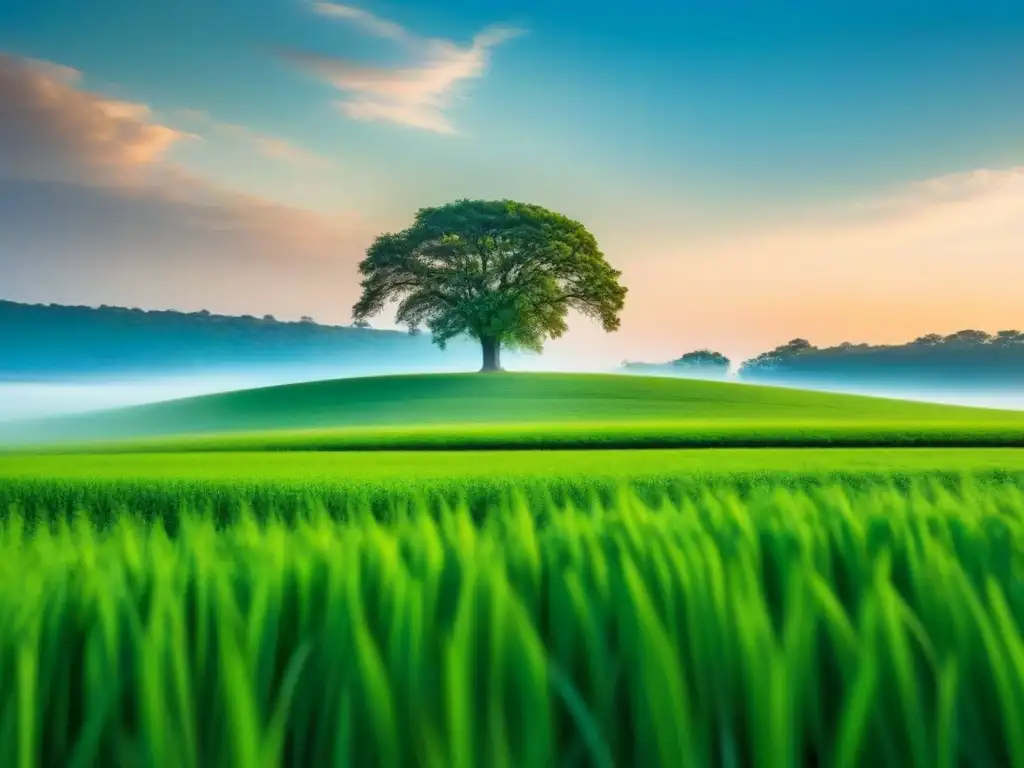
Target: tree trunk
x=492 y=355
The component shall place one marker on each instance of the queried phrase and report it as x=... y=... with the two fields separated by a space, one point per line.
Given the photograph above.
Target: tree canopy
x=502 y=272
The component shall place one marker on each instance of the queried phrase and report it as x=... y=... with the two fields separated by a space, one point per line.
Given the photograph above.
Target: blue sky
x=753 y=168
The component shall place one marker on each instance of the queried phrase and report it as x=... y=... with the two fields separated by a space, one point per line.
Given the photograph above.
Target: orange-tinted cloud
x=273 y=147
x=91 y=205
x=50 y=129
x=937 y=255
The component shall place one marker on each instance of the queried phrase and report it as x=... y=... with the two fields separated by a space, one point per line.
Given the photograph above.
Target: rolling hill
x=523 y=411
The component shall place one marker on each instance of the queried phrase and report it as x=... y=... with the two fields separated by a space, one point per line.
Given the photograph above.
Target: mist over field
x=23 y=400
x=57 y=360
x=996 y=397
x=36 y=399
x=39 y=398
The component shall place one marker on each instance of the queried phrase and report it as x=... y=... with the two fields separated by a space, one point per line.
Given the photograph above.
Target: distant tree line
x=966 y=358
x=39 y=340
x=703 y=363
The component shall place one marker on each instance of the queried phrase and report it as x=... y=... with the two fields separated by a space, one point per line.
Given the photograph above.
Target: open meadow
x=515 y=570
x=326 y=443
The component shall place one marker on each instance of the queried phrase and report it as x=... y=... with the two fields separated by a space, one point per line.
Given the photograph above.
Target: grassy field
x=160 y=484
x=578 y=436
x=348 y=469
x=524 y=411
x=259 y=579
x=830 y=626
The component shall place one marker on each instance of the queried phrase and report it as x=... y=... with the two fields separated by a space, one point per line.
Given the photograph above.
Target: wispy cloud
x=374 y=25
x=416 y=95
x=57 y=72
x=89 y=193
x=938 y=254
x=273 y=147
x=280 y=149
x=942 y=208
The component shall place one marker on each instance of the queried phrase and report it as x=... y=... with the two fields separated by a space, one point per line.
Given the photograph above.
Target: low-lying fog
x=32 y=399
x=35 y=399
x=1000 y=399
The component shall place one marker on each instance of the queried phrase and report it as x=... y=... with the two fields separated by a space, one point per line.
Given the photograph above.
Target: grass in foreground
x=526 y=411
x=830 y=627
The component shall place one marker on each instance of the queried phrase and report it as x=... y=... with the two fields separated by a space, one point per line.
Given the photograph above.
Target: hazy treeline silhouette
x=967 y=358
x=39 y=341
x=704 y=363
x=52 y=340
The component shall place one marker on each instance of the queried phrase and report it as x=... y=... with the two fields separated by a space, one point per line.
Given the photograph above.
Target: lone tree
x=501 y=272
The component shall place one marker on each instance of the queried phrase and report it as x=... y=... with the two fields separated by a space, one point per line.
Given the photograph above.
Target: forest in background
x=40 y=341
x=967 y=359
x=43 y=341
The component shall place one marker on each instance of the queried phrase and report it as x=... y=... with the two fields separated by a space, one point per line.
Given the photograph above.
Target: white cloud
x=369 y=23
x=416 y=95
